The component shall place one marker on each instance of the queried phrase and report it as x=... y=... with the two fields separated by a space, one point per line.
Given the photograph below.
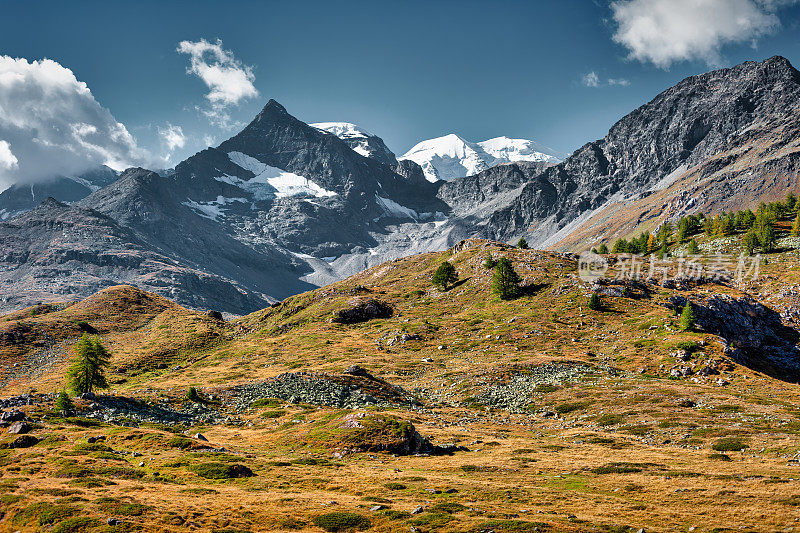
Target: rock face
x=19 y=428
x=283 y=206
x=755 y=335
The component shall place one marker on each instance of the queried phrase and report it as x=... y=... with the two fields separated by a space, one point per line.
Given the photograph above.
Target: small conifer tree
x=603 y=249
x=64 y=403
x=796 y=226
x=522 y=243
x=489 y=261
x=767 y=238
x=594 y=302
x=687 y=320
x=87 y=371
x=791 y=201
x=750 y=242
x=446 y=274
x=505 y=281
x=693 y=249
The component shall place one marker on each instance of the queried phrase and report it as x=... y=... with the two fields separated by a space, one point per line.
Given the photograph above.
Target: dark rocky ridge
x=23 y=197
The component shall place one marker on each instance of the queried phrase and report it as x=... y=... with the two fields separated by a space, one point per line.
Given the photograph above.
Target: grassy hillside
x=569 y=419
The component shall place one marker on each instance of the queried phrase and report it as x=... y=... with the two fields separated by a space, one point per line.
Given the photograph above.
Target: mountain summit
x=451 y=157
x=283 y=206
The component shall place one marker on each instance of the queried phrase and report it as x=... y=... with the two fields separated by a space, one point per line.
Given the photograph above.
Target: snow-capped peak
x=507 y=150
x=451 y=157
x=360 y=140
x=448 y=157
x=343 y=130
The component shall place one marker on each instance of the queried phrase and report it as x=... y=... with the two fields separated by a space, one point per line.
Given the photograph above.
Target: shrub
x=394 y=486
x=594 y=302
x=720 y=457
x=444 y=275
x=729 y=444
x=689 y=346
x=87 y=370
x=505 y=281
x=193 y=396
x=522 y=244
x=341 y=521
x=688 y=319
x=489 y=262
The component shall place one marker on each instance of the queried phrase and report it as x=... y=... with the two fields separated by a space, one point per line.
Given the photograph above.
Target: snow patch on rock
x=272 y=182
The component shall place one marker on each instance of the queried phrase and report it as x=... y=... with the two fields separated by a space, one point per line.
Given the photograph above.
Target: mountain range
x=451 y=157
x=284 y=206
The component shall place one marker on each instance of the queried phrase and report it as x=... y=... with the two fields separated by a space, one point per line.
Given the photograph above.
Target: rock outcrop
x=755 y=335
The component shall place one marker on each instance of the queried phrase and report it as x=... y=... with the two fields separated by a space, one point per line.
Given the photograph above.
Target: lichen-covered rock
x=363 y=311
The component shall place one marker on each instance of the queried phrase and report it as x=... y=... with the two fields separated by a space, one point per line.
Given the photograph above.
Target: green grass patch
x=569 y=407
x=76 y=524
x=341 y=521
x=610 y=420
x=729 y=444
x=221 y=471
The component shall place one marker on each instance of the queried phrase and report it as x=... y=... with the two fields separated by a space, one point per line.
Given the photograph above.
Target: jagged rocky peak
x=730 y=112
x=697 y=117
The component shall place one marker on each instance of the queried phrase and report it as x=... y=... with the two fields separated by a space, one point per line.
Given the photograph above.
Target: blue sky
x=405 y=70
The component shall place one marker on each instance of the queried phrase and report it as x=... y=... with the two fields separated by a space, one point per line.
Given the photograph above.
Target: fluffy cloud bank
x=7 y=159
x=665 y=31
x=50 y=124
x=229 y=81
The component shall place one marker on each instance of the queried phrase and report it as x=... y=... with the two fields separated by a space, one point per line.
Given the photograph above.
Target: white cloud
x=228 y=79
x=591 y=79
x=7 y=158
x=172 y=137
x=55 y=125
x=665 y=31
